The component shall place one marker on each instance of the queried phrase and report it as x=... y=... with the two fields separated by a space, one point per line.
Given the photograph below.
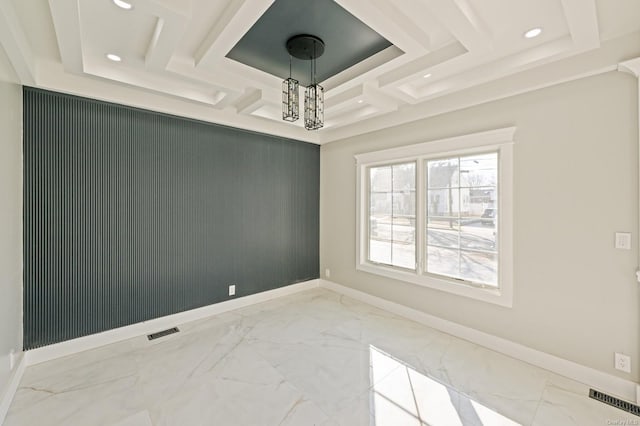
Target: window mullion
x=393 y=199
x=366 y=234
x=421 y=217
x=459 y=189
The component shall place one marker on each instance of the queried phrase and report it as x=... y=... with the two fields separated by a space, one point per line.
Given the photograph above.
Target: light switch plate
x=623 y=240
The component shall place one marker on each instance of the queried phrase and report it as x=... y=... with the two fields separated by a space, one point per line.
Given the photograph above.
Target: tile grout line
x=540 y=401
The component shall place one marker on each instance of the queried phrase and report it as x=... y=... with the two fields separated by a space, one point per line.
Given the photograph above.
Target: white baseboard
x=608 y=383
x=12 y=385
x=69 y=347
x=604 y=382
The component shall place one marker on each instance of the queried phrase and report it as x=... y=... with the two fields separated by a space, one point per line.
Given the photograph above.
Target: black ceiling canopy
x=347 y=39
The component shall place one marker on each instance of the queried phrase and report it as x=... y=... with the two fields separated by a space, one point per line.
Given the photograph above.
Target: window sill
x=502 y=297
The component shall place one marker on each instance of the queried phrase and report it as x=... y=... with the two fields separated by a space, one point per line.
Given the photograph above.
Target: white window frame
x=499 y=140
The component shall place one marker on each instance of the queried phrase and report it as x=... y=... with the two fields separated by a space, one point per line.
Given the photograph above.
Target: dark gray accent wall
x=131 y=215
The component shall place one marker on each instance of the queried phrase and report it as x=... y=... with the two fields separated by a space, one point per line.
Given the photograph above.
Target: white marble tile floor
x=314 y=358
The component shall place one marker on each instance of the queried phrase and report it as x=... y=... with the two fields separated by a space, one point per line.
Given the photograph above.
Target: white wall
x=576 y=184
x=10 y=217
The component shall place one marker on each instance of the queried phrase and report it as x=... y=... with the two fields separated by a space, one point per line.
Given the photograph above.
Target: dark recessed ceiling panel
x=347 y=39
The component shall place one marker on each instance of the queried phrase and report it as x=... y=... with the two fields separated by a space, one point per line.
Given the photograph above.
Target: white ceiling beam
x=53 y=77
x=394 y=12
x=66 y=20
x=176 y=8
x=101 y=67
x=421 y=65
x=571 y=68
x=460 y=19
x=172 y=19
x=393 y=27
x=582 y=20
x=236 y=19
x=346 y=97
x=496 y=69
x=152 y=49
x=250 y=102
x=165 y=39
x=218 y=77
x=380 y=99
x=357 y=103
x=367 y=69
x=348 y=115
x=15 y=44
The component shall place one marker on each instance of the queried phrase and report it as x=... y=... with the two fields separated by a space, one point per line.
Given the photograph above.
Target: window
x=438 y=214
x=392 y=215
x=461 y=211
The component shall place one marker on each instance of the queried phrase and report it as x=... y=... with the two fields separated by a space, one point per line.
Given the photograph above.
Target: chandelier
x=309 y=48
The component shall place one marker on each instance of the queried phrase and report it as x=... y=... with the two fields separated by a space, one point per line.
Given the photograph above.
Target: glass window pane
x=404 y=177
x=380 y=179
x=380 y=251
x=443 y=202
x=489 y=217
x=392 y=215
x=380 y=204
x=404 y=217
x=481 y=199
x=446 y=223
x=443 y=261
x=380 y=228
x=443 y=173
x=403 y=230
x=462 y=217
x=479 y=170
x=404 y=255
x=442 y=237
x=476 y=236
x=479 y=267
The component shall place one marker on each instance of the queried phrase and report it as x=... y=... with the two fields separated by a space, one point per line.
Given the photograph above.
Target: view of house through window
x=462 y=215
x=440 y=214
x=392 y=215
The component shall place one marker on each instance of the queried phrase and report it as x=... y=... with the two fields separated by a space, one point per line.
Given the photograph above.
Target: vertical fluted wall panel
x=131 y=215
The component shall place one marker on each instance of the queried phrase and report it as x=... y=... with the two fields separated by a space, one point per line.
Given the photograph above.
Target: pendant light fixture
x=290 y=105
x=309 y=48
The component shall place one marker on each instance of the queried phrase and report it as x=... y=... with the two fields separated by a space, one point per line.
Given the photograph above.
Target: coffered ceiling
x=443 y=55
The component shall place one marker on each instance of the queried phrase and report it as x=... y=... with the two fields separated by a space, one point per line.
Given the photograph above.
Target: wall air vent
x=614 y=402
x=162 y=333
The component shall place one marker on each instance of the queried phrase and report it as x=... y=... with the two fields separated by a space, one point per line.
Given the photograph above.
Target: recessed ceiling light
x=360 y=101
x=122 y=4
x=114 y=58
x=533 y=32
x=426 y=75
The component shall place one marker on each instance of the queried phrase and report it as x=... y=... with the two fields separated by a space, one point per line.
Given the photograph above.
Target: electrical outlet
x=232 y=290
x=12 y=359
x=622 y=362
x=327 y=273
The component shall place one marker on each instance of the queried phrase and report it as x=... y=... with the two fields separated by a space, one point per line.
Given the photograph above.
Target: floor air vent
x=614 y=402
x=162 y=333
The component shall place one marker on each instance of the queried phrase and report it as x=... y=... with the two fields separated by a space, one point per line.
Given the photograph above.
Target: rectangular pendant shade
x=290 y=102
x=314 y=107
